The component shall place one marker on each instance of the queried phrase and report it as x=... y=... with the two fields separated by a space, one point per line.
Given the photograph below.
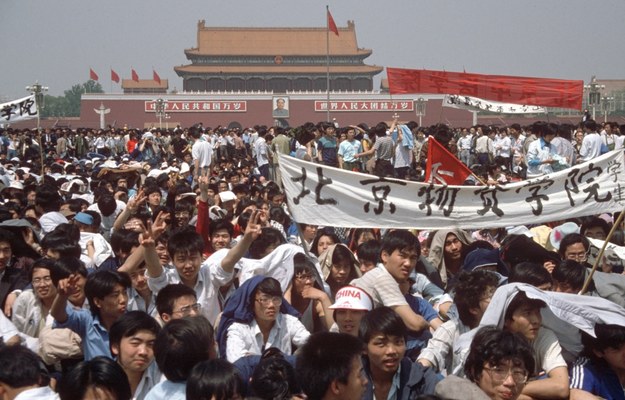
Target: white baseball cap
x=352 y=298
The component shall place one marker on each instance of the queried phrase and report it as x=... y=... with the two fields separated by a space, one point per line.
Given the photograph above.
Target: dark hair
x=326 y=356
x=400 y=240
x=268 y=286
x=607 y=336
x=7 y=236
x=221 y=224
x=21 y=367
x=169 y=294
x=214 y=379
x=573 y=238
x=570 y=273
x=274 y=379
x=42 y=263
x=267 y=237
x=301 y=263
x=61 y=241
x=48 y=198
x=102 y=283
x=521 y=300
x=369 y=251
x=185 y=241
x=595 y=222
x=531 y=273
x=107 y=204
x=381 y=320
x=181 y=344
x=470 y=290
x=64 y=267
x=590 y=124
x=131 y=323
x=320 y=233
x=492 y=345
x=100 y=372
x=123 y=240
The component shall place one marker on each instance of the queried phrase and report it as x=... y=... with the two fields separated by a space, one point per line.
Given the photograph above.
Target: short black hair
x=531 y=273
x=492 y=345
x=607 y=336
x=169 y=294
x=381 y=320
x=326 y=356
x=102 y=283
x=65 y=266
x=369 y=251
x=570 y=273
x=181 y=344
x=320 y=233
x=573 y=238
x=268 y=286
x=274 y=378
x=21 y=367
x=214 y=379
x=594 y=222
x=400 y=240
x=123 y=240
x=268 y=236
x=221 y=224
x=131 y=323
x=519 y=301
x=42 y=263
x=185 y=241
x=100 y=372
x=470 y=290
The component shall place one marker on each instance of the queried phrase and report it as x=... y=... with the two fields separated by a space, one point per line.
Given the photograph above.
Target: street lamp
x=38 y=90
x=608 y=105
x=421 y=106
x=160 y=111
x=594 y=94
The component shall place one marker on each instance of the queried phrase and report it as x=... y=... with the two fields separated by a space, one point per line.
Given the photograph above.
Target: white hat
x=227 y=195
x=17 y=185
x=559 y=232
x=352 y=298
x=184 y=168
x=216 y=213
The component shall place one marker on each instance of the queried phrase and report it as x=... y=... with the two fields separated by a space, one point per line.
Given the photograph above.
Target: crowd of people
x=158 y=264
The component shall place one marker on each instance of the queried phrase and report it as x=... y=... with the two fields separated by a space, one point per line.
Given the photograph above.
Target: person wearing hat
x=149 y=150
x=351 y=305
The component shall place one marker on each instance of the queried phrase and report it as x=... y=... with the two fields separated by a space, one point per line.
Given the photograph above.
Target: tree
x=69 y=104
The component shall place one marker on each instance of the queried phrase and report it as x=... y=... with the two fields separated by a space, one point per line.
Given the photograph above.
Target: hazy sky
x=56 y=42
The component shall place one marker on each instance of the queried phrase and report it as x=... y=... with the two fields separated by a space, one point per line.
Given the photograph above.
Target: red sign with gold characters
x=359 y=105
x=199 y=106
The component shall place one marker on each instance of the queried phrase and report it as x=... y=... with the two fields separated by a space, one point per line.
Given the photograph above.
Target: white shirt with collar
x=151 y=377
x=40 y=393
x=247 y=339
x=210 y=278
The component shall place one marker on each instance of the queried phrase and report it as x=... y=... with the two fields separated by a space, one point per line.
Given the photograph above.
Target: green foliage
x=69 y=104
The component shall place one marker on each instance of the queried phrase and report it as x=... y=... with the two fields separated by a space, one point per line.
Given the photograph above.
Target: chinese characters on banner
x=473 y=104
x=327 y=196
x=199 y=106
x=508 y=89
x=18 y=110
x=354 y=105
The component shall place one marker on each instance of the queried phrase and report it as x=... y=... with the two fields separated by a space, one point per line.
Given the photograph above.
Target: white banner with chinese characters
x=476 y=104
x=327 y=196
x=18 y=110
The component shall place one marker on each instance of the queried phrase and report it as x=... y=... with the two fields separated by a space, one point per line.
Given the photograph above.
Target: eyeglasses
x=582 y=256
x=265 y=300
x=39 y=281
x=304 y=277
x=186 y=310
x=499 y=374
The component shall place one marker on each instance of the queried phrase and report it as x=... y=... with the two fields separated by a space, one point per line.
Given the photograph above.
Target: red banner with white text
x=544 y=92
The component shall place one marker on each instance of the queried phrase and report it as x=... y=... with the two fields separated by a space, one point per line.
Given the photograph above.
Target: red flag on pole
x=156 y=77
x=331 y=25
x=134 y=75
x=114 y=76
x=93 y=75
x=442 y=167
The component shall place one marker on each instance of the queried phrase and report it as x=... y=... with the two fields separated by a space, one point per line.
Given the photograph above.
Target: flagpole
x=327 y=63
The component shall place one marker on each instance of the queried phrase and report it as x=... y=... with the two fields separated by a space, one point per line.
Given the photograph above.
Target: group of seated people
x=216 y=294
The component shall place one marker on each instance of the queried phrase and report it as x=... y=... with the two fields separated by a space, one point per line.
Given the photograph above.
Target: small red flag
x=134 y=75
x=442 y=167
x=93 y=75
x=114 y=76
x=331 y=25
x=156 y=77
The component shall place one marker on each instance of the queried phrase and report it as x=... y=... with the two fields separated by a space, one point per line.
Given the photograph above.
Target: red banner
x=507 y=89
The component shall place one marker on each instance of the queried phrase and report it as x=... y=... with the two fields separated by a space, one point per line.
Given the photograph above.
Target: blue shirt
x=328 y=150
x=95 y=338
x=596 y=378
